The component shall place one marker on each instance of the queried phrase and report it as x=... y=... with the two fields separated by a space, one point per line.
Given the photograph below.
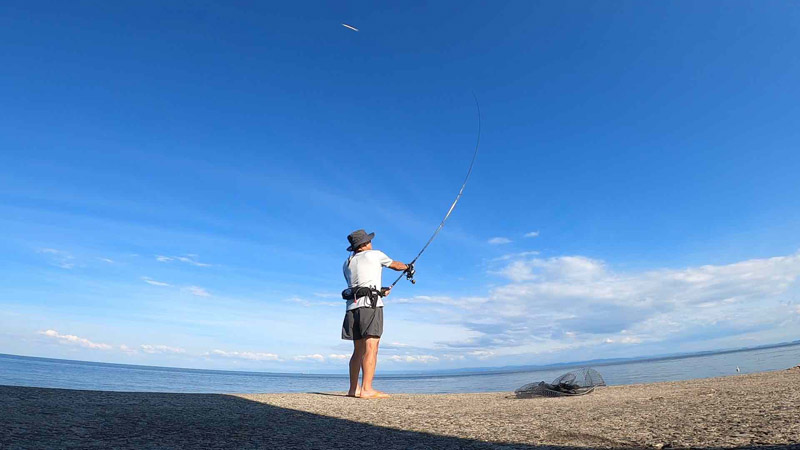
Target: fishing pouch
x=362 y=291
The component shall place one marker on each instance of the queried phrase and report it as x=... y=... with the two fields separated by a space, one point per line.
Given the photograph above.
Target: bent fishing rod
x=409 y=272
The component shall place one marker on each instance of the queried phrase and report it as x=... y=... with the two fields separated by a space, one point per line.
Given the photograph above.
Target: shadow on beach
x=59 y=418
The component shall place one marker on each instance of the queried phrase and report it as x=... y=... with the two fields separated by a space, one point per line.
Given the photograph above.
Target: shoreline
x=470 y=371
x=739 y=411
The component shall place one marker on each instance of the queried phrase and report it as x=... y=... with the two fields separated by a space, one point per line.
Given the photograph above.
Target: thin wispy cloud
x=515 y=256
x=187 y=259
x=309 y=303
x=250 y=356
x=532 y=234
x=499 y=240
x=394 y=345
x=437 y=300
x=106 y=260
x=194 y=290
x=623 y=340
x=153 y=282
x=413 y=358
x=299 y=301
x=481 y=354
x=315 y=357
x=198 y=291
x=70 y=339
x=338 y=356
x=160 y=349
x=58 y=258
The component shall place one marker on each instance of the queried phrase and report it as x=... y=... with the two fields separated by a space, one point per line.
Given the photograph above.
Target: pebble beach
x=744 y=411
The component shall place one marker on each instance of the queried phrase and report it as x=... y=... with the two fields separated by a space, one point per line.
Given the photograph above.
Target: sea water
x=57 y=373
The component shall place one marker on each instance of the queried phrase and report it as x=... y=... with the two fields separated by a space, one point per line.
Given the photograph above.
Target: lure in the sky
x=350 y=26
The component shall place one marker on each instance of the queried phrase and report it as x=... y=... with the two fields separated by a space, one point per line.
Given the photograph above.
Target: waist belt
x=371 y=293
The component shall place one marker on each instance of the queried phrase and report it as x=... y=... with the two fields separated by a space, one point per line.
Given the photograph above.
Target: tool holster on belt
x=371 y=293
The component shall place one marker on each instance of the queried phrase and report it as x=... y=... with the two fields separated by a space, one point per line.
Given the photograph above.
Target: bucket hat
x=358 y=238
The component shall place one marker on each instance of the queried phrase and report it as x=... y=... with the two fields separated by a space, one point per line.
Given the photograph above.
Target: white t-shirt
x=364 y=270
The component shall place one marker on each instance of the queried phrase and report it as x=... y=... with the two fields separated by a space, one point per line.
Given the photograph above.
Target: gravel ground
x=758 y=410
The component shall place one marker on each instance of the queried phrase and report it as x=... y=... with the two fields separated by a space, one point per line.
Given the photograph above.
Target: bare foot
x=374 y=394
x=357 y=393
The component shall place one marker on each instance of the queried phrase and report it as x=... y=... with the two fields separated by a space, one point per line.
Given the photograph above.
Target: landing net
x=576 y=382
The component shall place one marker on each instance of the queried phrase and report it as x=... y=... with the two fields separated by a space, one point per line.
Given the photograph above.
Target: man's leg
x=355 y=366
x=368 y=368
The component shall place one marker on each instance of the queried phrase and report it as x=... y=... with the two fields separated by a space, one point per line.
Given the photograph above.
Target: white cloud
x=413 y=358
x=157 y=349
x=568 y=302
x=499 y=240
x=149 y=280
x=439 y=300
x=188 y=259
x=532 y=234
x=338 y=356
x=125 y=349
x=481 y=354
x=569 y=268
x=623 y=340
x=70 y=339
x=395 y=345
x=251 y=356
x=107 y=260
x=315 y=357
x=518 y=271
x=198 y=291
x=515 y=256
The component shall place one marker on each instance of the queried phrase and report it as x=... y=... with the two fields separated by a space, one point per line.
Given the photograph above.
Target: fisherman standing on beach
x=363 y=321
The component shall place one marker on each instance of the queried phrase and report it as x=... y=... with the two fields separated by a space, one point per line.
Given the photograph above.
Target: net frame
x=573 y=383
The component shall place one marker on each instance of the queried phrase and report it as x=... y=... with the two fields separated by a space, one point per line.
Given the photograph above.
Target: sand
x=758 y=410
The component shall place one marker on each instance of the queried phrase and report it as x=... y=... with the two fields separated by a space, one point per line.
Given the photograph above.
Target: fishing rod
x=409 y=272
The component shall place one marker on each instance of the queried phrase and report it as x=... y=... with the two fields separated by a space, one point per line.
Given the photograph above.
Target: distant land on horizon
x=449 y=372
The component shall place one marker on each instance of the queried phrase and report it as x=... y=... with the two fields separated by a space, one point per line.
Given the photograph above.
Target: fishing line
x=410 y=275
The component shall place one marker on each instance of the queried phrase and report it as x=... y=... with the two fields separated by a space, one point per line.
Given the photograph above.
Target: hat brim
x=360 y=242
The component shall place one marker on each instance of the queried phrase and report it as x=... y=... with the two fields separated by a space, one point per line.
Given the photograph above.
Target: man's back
x=364 y=270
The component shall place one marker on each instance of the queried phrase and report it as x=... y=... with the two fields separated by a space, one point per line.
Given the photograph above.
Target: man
x=363 y=321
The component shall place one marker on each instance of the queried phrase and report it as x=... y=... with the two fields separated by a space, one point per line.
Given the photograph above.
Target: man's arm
x=398 y=266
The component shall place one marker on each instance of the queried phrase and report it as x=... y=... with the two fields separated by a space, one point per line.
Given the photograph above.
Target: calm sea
x=24 y=371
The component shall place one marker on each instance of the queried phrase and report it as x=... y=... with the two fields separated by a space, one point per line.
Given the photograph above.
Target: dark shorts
x=362 y=322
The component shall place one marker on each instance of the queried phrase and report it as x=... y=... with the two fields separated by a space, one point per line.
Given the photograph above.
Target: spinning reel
x=410 y=273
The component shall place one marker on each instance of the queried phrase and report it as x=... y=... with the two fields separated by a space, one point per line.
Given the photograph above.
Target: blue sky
x=177 y=181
